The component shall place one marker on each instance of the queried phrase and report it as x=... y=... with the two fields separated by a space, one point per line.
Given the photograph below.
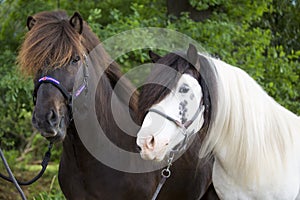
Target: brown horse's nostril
x=52 y=118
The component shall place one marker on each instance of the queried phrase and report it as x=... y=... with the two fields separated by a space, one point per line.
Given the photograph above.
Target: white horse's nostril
x=150 y=142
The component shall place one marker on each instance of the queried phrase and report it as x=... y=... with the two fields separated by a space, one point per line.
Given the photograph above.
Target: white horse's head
x=171 y=122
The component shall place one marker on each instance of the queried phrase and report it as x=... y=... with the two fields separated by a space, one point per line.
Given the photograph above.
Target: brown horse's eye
x=75 y=60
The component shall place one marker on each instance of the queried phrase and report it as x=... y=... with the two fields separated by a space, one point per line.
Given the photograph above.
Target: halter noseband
x=186 y=125
x=55 y=83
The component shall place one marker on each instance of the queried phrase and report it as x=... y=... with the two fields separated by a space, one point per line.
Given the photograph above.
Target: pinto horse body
x=55 y=46
x=254 y=140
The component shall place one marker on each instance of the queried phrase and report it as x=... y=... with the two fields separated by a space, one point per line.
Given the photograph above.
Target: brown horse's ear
x=192 y=56
x=30 y=22
x=77 y=22
x=154 y=57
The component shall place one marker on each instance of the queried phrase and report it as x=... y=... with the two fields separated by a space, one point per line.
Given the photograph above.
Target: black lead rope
x=16 y=182
x=165 y=173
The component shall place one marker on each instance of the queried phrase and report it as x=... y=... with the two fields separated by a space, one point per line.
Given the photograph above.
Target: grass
x=46 y=188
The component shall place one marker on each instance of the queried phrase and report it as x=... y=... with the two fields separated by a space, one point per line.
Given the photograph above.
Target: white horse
x=254 y=140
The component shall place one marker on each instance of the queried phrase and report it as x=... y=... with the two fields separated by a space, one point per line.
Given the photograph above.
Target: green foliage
x=205 y=4
x=283 y=20
x=152 y=14
x=15 y=102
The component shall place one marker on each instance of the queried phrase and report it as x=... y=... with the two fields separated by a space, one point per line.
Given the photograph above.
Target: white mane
x=251 y=132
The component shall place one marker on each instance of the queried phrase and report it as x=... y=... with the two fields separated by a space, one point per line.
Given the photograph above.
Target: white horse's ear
x=77 y=22
x=154 y=57
x=192 y=56
x=30 y=22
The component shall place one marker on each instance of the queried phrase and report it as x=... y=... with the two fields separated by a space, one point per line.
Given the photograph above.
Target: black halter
x=67 y=95
x=55 y=83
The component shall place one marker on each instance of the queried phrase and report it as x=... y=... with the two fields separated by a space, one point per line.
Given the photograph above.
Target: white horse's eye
x=184 y=88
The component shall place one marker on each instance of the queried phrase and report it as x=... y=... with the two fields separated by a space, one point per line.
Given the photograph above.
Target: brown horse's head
x=53 y=51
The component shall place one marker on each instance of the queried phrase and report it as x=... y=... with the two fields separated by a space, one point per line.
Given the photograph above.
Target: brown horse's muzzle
x=51 y=113
x=51 y=124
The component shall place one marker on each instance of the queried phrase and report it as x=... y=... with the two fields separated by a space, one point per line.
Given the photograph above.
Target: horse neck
x=110 y=98
x=74 y=149
x=250 y=132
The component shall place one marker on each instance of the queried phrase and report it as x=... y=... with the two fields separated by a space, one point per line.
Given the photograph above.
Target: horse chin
x=155 y=156
x=159 y=158
x=56 y=134
x=147 y=156
x=59 y=136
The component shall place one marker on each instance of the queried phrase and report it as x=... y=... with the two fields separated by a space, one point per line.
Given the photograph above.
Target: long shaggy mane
x=253 y=134
x=50 y=43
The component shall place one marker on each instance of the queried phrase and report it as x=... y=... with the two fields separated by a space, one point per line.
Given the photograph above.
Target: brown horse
x=53 y=51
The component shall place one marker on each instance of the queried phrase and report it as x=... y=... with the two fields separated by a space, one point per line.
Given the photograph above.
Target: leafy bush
x=15 y=103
